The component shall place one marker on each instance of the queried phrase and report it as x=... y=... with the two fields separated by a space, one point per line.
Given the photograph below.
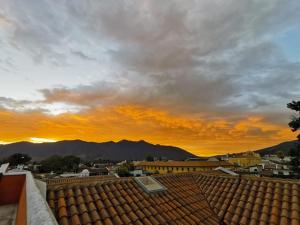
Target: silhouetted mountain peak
x=122 y=150
x=284 y=147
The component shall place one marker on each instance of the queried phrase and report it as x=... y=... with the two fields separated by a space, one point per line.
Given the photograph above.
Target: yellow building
x=181 y=166
x=246 y=159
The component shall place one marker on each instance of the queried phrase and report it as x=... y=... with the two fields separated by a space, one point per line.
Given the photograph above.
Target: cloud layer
x=213 y=64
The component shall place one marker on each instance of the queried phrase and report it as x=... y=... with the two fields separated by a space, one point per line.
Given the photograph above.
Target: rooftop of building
x=248 y=154
x=198 y=198
x=77 y=180
x=21 y=201
x=8 y=214
x=185 y=163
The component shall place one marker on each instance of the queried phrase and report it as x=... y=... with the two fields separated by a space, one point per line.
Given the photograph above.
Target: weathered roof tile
x=189 y=199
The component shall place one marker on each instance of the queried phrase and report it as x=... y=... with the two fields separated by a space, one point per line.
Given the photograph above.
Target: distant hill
x=285 y=147
x=122 y=150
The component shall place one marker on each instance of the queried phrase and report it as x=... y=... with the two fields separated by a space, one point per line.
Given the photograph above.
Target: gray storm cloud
x=213 y=57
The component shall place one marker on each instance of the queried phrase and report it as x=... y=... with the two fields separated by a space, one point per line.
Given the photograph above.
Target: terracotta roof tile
x=85 y=218
x=63 y=221
x=73 y=210
x=125 y=219
x=107 y=221
x=82 y=208
x=75 y=220
x=80 y=200
x=253 y=201
x=71 y=201
x=153 y=220
x=117 y=220
x=61 y=202
x=98 y=223
x=62 y=212
x=103 y=213
x=51 y=203
x=189 y=199
x=94 y=216
x=51 y=195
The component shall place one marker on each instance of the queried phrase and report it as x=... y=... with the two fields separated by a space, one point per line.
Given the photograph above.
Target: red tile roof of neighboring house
x=78 y=180
x=189 y=199
x=123 y=201
x=253 y=200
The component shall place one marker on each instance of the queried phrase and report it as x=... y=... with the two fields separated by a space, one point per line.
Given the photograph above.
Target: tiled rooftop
x=251 y=201
x=123 y=201
x=189 y=199
x=78 y=180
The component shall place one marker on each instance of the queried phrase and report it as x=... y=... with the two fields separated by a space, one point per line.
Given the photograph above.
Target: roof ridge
x=249 y=177
x=231 y=199
x=220 y=220
x=239 y=178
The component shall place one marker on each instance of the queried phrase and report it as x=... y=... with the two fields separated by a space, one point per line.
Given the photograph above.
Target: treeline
x=55 y=163
x=59 y=164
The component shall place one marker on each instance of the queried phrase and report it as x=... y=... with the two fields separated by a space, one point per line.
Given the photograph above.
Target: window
x=150 y=184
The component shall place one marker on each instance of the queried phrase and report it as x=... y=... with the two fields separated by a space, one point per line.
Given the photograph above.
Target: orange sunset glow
x=138 y=123
x=210 y=77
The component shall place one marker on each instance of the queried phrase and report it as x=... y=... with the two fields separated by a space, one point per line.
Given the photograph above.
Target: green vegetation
x=149 y=158
x=124 y=169
x=16 y=159
x=59 y=164
x=295 y=125
x=280 y=154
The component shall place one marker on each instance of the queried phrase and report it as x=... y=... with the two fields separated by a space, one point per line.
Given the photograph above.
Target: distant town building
x=281 y=172
x=182 y=166
x=137 y=173
x=253 y=169
x=85 y=173
x=195 y=159
x=273 y=158
x=246 y=159
x=213 y=159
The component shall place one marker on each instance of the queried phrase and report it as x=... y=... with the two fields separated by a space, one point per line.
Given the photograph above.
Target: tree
x=60 y=164
x=124 y=169
x=295 y=126
x=280 y=154
x=18 y=158
x=149 y=158
x=71 y=163
x=53 y=163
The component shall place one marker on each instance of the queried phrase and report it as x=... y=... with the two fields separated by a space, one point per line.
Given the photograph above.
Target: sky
x=208 y=76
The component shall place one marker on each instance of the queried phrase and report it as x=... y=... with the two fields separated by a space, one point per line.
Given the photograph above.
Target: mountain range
x=122 y=150
x=284 y=147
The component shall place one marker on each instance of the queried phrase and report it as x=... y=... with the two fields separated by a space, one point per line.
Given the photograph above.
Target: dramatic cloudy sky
x=208 y=76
